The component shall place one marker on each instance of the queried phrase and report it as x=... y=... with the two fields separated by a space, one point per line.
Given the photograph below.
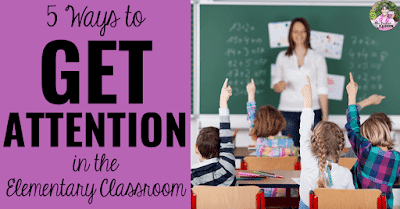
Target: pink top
x=384 y=21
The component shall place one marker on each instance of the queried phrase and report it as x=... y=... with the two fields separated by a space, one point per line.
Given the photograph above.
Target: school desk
x=285 y=182
x=241 y=152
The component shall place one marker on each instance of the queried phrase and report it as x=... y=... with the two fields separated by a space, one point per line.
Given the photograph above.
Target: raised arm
x=227 y=159
x=251 y=102
x=374 y=99
x=353 y=119
x=306 y=121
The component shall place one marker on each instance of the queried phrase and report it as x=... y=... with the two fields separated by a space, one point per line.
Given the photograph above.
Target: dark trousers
x=293 y=124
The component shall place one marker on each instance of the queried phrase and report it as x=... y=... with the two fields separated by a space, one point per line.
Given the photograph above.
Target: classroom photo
x=294 y=104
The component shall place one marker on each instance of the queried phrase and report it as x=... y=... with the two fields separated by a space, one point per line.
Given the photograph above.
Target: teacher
x=292 y=67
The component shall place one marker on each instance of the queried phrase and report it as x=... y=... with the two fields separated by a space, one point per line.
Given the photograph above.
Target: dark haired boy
x=215 y=150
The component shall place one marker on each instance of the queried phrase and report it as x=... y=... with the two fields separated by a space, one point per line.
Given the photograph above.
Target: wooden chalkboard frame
x=239 y=120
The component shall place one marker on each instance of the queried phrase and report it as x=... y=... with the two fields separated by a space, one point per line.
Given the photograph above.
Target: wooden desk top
x=285 y=182
x=241 y=152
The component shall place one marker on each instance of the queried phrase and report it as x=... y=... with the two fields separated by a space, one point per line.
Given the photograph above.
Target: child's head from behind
x=384 y=117
x=377 y=131
x=268 y=122
x=327 y=141
x=208 y=143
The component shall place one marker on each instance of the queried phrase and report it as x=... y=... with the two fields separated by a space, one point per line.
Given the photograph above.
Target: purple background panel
x=166 y=84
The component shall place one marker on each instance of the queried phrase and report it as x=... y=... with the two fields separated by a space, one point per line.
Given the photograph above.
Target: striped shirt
x=280 y=146
x=375 y=168
x=218 y=171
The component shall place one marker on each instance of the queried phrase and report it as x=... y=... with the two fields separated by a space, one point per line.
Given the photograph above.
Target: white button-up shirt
x=287 y=70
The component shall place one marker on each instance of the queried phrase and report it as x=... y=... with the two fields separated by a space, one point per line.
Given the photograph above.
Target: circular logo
x=384 y=15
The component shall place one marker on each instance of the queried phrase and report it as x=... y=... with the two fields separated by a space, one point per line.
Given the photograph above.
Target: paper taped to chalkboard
x=335 y=86
x=329 y=45
x=278 y=34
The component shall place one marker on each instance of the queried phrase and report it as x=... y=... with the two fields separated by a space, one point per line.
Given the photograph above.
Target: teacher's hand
x=279 y=87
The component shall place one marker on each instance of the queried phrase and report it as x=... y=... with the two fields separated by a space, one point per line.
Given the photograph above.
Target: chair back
x=342 y=198
x=226 y=197
x=347 y=162
x=270 y=163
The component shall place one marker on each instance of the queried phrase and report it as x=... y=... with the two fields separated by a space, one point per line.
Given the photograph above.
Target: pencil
x=263 y=172
x=269 y=175
x=245 y=179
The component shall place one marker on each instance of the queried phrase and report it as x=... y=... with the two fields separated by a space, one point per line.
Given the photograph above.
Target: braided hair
x=327 y=141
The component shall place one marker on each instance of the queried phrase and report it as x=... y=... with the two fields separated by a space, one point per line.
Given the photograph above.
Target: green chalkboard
x=225 y=30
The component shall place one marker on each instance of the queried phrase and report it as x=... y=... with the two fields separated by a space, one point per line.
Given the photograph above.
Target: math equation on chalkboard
x=245 y=58
x=367 y=63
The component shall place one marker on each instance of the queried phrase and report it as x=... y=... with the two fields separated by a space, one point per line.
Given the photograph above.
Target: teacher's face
x=299 y=33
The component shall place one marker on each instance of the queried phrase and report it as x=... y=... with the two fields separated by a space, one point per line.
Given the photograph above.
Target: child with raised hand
x=265 y=125
x=378 y=165
x=215 y=150
x=320 y=150
x=375 y=100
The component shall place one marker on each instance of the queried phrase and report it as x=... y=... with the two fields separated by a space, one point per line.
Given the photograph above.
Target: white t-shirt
x=287 y=70
x=341 y=176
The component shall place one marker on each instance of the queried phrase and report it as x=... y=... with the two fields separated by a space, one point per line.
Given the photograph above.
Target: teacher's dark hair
x=289 y=51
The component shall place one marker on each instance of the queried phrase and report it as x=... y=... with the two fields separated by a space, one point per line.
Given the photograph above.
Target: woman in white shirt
x=292 y=67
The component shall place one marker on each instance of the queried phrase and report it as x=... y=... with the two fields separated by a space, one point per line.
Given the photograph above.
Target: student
x=375 y=100
x=215 y=150
x=378 y=165
x=265 y=127
x=320 y=150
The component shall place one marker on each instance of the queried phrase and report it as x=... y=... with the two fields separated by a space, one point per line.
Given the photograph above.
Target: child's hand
x=251 y=90
x=375 y=99
x=352 y=88
x=307 y=94
x=226 y=92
